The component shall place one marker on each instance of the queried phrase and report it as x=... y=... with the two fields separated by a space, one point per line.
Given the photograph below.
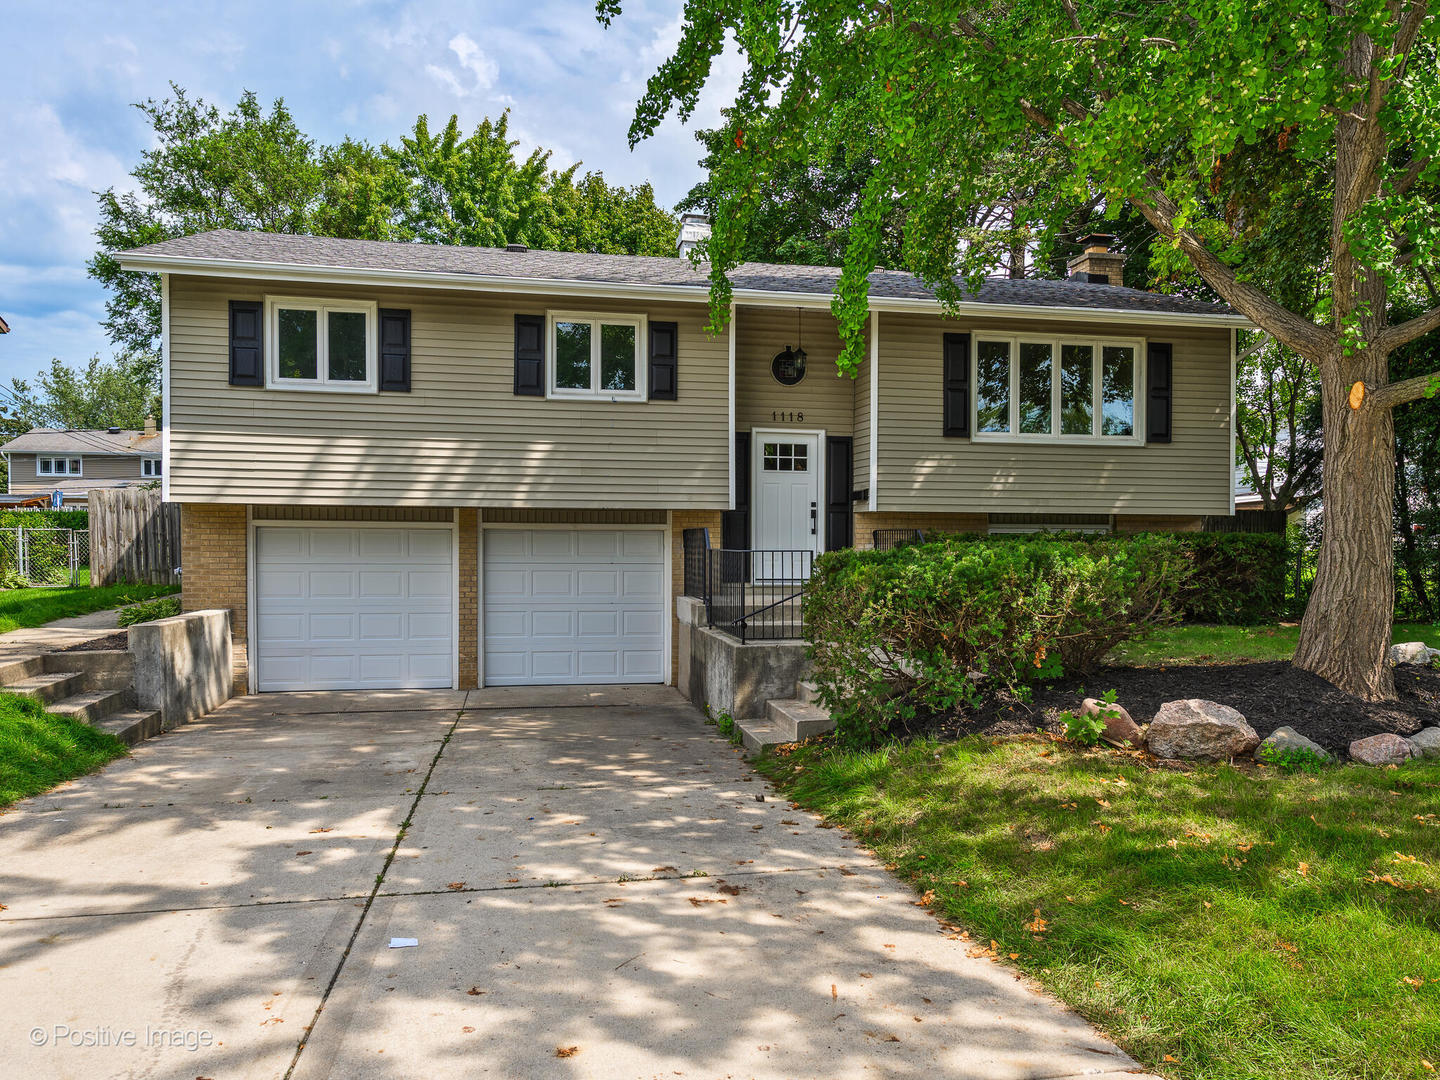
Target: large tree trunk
x=1345 y=634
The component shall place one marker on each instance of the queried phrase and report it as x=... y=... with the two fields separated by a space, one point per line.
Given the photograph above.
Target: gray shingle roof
x=52 y=441
x=225 y=245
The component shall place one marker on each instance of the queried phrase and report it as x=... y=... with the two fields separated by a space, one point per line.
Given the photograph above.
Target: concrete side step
x=761 y=734
x=20 y=667
x=807 y=692
x=107 y=669
x=48 y=688
x=131 y=726
x=92 y=705
x=798 y=719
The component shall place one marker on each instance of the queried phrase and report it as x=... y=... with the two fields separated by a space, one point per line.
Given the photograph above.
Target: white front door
x=785 y=497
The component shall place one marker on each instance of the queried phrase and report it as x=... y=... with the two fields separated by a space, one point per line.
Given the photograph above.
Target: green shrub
x=45 y=519
x=162 y=607
x=925 y=628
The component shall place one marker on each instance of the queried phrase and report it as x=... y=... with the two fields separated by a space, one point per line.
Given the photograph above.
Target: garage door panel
x=341 y=608
x=574 y=605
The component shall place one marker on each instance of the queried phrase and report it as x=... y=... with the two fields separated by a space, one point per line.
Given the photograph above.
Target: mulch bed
x=109 y=641
x=1269 y=695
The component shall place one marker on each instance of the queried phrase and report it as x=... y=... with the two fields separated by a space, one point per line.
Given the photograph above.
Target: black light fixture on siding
x=788 y=367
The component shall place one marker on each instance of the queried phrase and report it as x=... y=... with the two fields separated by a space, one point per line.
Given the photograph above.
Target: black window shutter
x=957 y=386
x=735 y=524
x=1158 y=373
x=530 y=355
x=664 y=337
x=839 y=468
x=394 y=350
x=247 y=354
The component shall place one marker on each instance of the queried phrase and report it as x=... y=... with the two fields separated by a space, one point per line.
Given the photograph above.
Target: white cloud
x=482 y=71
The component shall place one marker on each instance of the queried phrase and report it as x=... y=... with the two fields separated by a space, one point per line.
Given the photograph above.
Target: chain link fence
x=43 y=557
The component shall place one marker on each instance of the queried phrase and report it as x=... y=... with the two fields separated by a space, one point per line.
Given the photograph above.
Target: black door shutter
x=246 y=343
x=1158 y=373
x=839 y=469
x=663 y=360
x=735 y=524
x=957 y=386
x=530 y=355
x=394 y=349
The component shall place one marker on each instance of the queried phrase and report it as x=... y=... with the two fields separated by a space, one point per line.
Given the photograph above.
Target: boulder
x=1287 y=739
x=1200 y=730
x=1413 y=652
x=1385 y=749
x=1426 y=743
x=1119 y=728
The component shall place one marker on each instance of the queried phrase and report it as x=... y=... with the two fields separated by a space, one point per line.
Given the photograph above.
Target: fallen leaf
x=1036 y=925
x=474 y=991
x=1014 y=956
x=834 y=994
x=698 y=900
x=304 y=853
x=1428 y=1066
x=455 y=885
x=730 y=890
x=1103 y=803
x=566 y=1051
x=1304 y=869
x=511 y=880
x=1413 y=982
x=467 y=1030
x=330 y=829
x=1169 y=1057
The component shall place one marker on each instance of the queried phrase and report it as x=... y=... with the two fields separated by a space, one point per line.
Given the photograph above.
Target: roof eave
x=695 y=294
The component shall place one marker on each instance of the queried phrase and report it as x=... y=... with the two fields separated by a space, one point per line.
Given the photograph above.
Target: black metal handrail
x=756 y=594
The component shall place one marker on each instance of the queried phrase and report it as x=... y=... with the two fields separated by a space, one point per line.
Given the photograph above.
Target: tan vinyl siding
x=461 y=437
x=108 y=470
x=825 y=398
x=921 y=470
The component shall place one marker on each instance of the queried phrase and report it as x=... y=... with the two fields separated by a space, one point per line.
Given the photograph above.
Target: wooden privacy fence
x=134 y=538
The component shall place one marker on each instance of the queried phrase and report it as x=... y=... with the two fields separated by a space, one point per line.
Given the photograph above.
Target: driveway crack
x=374 y=891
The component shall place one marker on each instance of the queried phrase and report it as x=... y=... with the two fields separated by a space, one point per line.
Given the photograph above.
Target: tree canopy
x=104 y=393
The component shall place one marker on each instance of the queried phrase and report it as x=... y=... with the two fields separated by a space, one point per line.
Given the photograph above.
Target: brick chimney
x=149 y=427
x=1096 y=263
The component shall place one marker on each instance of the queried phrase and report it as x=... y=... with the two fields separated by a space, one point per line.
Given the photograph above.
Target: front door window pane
x=992 y=386
x=617 y=357
x=346 y=341
x=1118 y=387
x=572 y=356
x=1077 y=390
x=299 y=345
x=1034 y=388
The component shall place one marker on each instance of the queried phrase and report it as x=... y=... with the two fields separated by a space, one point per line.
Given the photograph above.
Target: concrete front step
x=20 y=667
x=797 y=719
x=807 y=692
x=760 y=735
x=131 y=726
x=92 y=706
x=107 y=669
x=47 y=688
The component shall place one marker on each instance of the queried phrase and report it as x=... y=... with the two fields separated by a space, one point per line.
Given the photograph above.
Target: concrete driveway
x=599 y=886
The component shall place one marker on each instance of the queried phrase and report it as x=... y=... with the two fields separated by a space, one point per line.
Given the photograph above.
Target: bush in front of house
x=923 y=629
x=45 y=519
x=162 y=607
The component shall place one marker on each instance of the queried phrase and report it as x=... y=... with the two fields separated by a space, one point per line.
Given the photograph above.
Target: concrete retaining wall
x=182 y=664
x=717 y=672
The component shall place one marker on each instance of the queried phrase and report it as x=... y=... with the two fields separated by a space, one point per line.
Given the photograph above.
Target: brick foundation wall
x=867 y=522
x=212 y=542
x=468 y=540
x=680 y=520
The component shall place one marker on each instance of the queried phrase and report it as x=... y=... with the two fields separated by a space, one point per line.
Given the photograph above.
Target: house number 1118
x=788 y=417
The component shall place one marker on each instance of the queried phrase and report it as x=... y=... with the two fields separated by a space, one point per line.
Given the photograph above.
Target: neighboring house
x=75 y=463
x=408 y=465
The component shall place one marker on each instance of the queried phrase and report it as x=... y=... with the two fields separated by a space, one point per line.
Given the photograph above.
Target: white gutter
x=699 y=294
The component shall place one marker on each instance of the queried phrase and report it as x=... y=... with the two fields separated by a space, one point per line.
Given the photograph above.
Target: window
x=57 y=466
x=150 y=466
x=785 y=457
x=1056 y=388
x=320 y=344
x=597 y=356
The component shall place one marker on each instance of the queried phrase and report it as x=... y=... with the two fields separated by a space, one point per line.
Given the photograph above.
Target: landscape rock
x=1200 y=730
x=1288 y=740
x=1383 y=749
x=1413 y=652
x=1119 y=728
x=1426 y=743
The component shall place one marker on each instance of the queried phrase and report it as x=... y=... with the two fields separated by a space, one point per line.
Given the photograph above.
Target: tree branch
x=1392 y=337
x=1398 y=393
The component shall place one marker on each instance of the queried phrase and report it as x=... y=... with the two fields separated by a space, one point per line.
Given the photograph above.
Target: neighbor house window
x=320 y=344
x=597 y=356
x=57 y=466
x=150 y=466
x=1056 y=388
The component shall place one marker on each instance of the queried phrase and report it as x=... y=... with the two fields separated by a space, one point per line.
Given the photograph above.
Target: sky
x=365 y=68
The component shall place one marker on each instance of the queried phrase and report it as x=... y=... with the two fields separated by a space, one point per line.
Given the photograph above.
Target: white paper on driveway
x=404 y=942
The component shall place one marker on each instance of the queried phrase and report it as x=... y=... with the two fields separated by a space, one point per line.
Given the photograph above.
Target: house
x=404 y=465
x=44 y=460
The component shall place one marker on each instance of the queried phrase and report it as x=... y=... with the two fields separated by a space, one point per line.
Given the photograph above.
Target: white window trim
x=66 y=458
x=1098 y=343
x=156 y=469
x=323 y=382
x=595 y=393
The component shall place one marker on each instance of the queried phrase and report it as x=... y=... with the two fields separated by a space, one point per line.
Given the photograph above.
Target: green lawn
x=1218 y=924
x=1236 y=644
x=35 y=607
x=38 y=751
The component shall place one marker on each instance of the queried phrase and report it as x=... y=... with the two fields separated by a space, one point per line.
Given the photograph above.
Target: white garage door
x=344 y=608
x=574 y=606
